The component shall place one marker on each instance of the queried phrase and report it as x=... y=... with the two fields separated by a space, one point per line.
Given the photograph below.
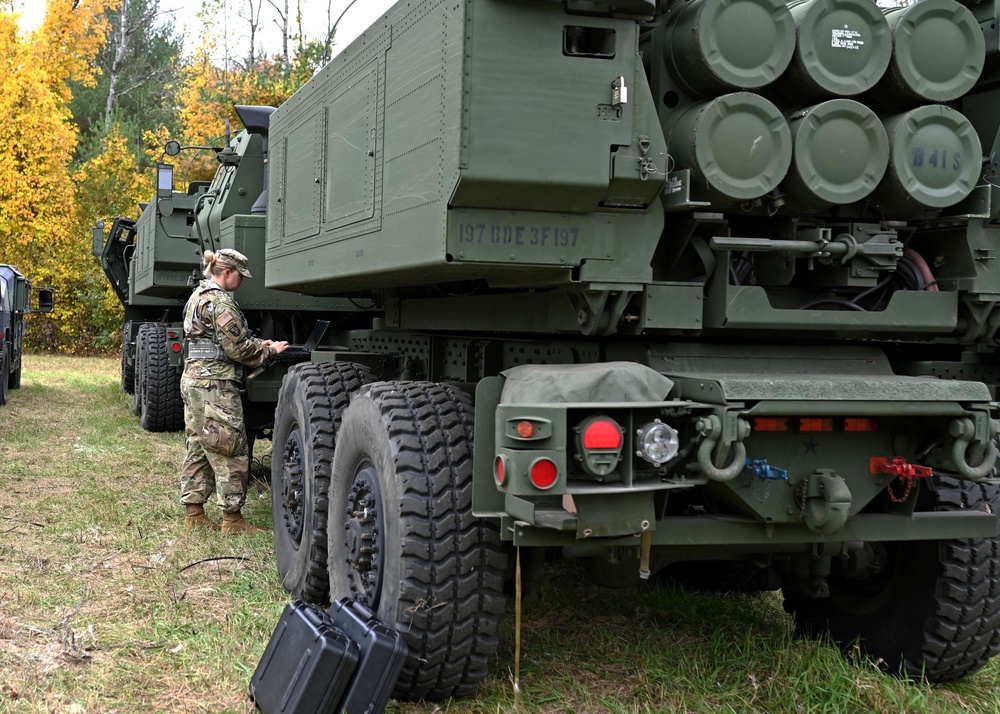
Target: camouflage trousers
x=218 y=458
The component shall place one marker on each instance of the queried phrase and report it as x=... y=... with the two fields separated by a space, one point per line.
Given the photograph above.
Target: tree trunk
x=253 y=18
x=116 y=65
x=286 y=21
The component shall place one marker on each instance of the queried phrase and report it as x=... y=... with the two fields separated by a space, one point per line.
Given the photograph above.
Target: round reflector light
x=175 y=346
x=657 y=442
x=525 y=429
x=499 y=470
x=544 y=473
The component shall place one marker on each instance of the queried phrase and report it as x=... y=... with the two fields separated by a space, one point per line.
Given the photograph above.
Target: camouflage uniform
x=218 y=457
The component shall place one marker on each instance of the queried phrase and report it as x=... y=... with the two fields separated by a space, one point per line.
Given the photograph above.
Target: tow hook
x=711 y=450
x=963 y=431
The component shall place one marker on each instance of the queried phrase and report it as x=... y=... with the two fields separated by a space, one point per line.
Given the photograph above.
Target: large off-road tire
x=403 y=538
x=4 y=374
x=128 y=369
x=933 y=611
x=162 y=408
x=141 y=338
x=310 y=404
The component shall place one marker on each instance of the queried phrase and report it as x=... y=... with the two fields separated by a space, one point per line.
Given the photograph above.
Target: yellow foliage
x=38 y=211
x=47 y=209
x=106 y=186
x=208 y=94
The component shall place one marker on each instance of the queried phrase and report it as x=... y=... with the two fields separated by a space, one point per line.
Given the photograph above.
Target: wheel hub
x=291 y=486
x=363 y=528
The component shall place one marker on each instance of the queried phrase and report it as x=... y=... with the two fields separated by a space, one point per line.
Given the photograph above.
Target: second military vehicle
x=154 y=261
x=149 y=261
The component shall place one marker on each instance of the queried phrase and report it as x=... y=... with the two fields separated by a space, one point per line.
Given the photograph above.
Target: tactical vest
x=206 y=344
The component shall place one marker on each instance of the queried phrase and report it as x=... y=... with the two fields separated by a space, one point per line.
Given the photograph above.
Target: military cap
x=229 y=258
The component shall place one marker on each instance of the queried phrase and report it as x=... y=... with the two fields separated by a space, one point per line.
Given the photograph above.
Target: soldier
x=219 y=346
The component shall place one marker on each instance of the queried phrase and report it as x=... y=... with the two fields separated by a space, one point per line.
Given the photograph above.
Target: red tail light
x=815 y=424
x=544 y=473
x=602 y=434
x=770 y=424
x=856 y=424
x=500 y=469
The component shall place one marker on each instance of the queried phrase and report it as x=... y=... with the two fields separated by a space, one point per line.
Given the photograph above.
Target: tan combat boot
x=234 y=523
x=196 y=517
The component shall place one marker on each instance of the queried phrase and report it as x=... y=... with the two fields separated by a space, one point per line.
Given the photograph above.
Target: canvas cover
x=606 y=382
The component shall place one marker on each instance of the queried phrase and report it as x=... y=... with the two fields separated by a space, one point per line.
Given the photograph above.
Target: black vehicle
x=17 y=299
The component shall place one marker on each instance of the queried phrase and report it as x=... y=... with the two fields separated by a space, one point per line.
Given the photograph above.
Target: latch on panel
x=619 y=92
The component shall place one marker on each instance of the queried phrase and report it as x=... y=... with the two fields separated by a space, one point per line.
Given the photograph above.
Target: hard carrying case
x=341 y=662
x=383 y=653
x=306 y=666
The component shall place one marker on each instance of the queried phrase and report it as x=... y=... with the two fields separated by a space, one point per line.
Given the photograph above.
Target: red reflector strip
x=815 y=424
x=770 y=424
x=602 y=434
x=860 y=424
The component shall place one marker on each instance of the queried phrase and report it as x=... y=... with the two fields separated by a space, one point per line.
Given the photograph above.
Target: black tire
x=162 y=408
x=933 y=611
x=15 y=377
x=141 y=337
x=4 y=374
x=310 y=405
x=128 y=369
x=408 y=544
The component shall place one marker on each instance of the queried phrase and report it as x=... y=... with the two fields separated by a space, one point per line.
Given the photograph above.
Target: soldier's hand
x=279 y=347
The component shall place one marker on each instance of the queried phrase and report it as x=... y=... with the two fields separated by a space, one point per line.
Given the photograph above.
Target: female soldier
x=219 y=346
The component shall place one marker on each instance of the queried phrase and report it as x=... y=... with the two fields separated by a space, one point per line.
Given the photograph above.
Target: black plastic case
x=306 y=666
x=382 y=655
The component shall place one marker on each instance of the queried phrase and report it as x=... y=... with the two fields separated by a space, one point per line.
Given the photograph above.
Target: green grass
x=111 y=605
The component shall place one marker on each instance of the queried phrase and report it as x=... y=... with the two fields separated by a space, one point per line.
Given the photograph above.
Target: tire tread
x=451 y=594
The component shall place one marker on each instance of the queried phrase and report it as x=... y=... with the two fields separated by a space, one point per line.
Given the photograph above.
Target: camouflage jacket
x=212 y=317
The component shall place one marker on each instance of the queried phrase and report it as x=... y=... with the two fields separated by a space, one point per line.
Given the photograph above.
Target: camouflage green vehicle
x=154 y=261
x=148 y=261
x=680 y=285
x=17 y=299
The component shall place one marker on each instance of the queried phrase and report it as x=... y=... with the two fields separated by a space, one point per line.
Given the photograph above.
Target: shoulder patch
x=228 y=322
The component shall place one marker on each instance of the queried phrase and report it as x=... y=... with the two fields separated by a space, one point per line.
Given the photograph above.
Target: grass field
x=111 y=605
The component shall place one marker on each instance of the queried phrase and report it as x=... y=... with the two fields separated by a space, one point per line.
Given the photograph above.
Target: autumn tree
x=136 y=78
x=107 y=185
x=38 y=227
x=74 y=108
x=210 y=89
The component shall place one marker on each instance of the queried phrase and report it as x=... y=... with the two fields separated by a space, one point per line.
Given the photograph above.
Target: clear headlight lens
x=657 y=442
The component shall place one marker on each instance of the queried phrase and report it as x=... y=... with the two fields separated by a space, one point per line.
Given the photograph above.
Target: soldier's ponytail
x=212 y=267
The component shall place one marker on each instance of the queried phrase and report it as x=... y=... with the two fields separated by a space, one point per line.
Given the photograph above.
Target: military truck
x=154 y=261
x=17 y=299
x=660 y=283
x=148 y=261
